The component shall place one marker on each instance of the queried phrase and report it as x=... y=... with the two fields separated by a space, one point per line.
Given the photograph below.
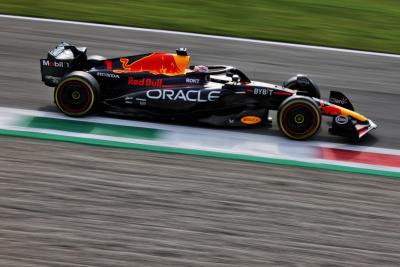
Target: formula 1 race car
x=165 y=86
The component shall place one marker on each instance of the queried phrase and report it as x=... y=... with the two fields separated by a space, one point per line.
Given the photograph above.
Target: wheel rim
x=74 y=97
x=300 y=120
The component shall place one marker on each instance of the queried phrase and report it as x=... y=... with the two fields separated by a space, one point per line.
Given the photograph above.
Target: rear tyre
x=299 y=118
x=77 y=94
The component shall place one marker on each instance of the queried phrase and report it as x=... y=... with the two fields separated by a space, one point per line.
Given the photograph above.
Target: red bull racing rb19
x=164 y=86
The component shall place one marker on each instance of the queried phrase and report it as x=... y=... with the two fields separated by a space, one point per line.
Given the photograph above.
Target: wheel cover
x=299 y=120
x=74 y=97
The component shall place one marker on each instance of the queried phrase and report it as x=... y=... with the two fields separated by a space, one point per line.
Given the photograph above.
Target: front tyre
x=299 y=118
x=304 y=86
x=77 y=94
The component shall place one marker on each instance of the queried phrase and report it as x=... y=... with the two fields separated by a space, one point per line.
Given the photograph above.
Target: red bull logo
x=145 y=82
x=156 y=63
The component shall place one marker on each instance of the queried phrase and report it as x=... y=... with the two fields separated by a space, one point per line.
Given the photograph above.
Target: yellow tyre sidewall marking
x=72 y=113
x=311 y=133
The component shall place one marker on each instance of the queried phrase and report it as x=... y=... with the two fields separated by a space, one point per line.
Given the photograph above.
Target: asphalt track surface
x=72 y=205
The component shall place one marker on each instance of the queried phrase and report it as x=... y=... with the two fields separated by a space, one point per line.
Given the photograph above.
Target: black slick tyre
x=304 y=85
x=77 y=94
x=299 y=118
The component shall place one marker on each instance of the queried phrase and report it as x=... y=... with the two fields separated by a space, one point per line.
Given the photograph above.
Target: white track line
x=282 y=44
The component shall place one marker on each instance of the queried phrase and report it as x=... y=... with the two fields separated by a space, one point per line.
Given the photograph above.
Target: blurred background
x=359 y=24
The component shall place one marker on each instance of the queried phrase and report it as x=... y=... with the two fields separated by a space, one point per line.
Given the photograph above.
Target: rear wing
x=61 y=60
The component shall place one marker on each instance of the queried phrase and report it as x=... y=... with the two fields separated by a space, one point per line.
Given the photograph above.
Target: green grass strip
x=114 y=144
x=359 y=24
x=89 y=127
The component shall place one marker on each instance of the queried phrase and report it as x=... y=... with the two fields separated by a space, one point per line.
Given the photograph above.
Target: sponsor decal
x=342 y=101
x=145 y=82
x=128 y=100
x=190 y=80
x=264 y=91
x=250 y=119
x=108 y=75
x=55 y=64
x=261 y=91
x=190 y=95
x=341 y=119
